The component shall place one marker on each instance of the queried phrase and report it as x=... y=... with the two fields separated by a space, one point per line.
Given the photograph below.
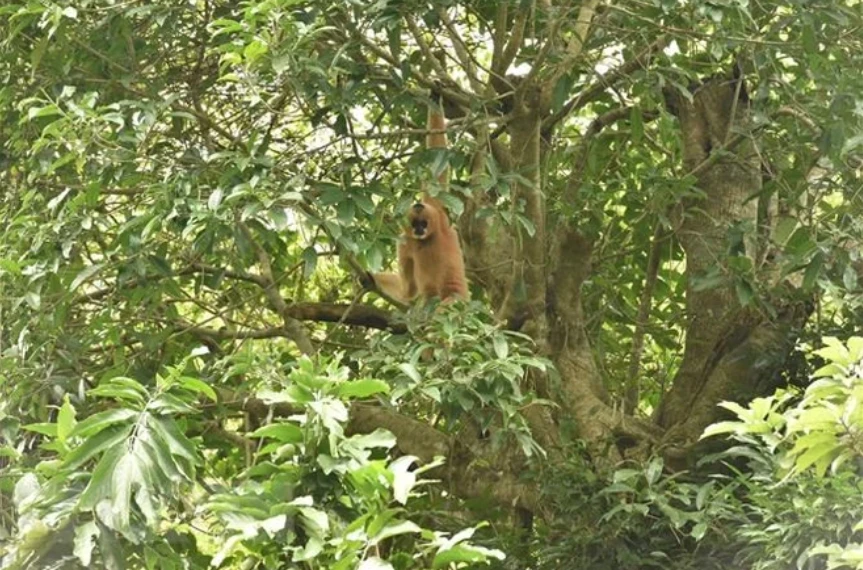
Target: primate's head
x=424 y=220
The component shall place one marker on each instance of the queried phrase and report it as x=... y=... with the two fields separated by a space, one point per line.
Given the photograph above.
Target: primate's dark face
x=422 y=219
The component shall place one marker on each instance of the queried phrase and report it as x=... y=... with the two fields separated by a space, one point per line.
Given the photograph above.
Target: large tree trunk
x=732 y=352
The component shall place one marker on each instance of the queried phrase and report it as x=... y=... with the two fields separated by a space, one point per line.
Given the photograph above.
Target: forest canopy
x=659 y=207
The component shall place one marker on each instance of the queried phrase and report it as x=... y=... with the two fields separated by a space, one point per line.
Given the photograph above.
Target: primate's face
x=423 y=220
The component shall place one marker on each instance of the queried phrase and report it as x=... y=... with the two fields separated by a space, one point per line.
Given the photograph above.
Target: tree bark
x=731 y=351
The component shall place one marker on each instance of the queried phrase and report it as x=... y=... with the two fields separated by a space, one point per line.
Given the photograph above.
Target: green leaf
x=744 y=291
x=813 y=271
x=44 y=111
x=654 y=471
x=703 y=493
x=179 y=444
x=817 y=418
x=215 y=199
x=65 y=420
x=636 y=121
x=122 y=388
x=734 y=407
x=198 y=386
x=36 y=57
x=98 y=422
x=312 y=548
x=855 y=348
x=26 y=488
x=283 y=432
x=828 y=371
x=85 y=274
x=85 y=540
x=401 y=527
x=279 y=218
x=720 y=428
x=835 y=352
x=104 y=441
x=800 y=244
x=561 y=91
x=699 y=530
x=44 y=428
x=346 y=211
x=527 y=224
x=166 y=470
x=363 y=388
x=377 y=522
x=100 y=485
x=410 y=371
x=125 y=473
x=501 y=348
x=33 y=300
x=314 y=521
x=849 y=278
x=378 y=438
x=310 y=261
x=168 y=404
x=464 y=553
x=816 y=448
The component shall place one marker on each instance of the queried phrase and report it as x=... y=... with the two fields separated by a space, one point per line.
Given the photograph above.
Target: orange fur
x=431 y=263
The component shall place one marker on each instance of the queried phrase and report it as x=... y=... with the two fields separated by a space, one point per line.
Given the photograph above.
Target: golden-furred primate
x=431 y=263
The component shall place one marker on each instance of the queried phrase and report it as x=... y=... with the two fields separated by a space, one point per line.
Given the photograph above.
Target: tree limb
x=354 y=315
x=426 y=50
x=461 y=51
x=576 y=46
x=516 y=36
x=469 y=476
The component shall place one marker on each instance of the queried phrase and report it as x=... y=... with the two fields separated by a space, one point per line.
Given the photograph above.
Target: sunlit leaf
x=65 y=420
x=85 y=541
x=404 y=479
x=363 y=388
x=84 y=275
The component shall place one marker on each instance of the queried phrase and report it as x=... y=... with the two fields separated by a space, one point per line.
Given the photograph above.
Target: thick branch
x=461 y=51
x=426 y=50
x=414 y=437
x=467 y=476
x=516 y=36
x=354 y=315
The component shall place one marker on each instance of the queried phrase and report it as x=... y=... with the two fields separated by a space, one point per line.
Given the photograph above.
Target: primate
x=431 y=263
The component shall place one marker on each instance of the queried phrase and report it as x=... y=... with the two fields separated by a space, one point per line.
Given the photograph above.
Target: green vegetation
x=660 y=209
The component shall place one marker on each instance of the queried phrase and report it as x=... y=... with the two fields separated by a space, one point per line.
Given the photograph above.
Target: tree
x=657 y=196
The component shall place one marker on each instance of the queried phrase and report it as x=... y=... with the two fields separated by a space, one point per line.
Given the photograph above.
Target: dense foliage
x=660 y=207
x=788 y=496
